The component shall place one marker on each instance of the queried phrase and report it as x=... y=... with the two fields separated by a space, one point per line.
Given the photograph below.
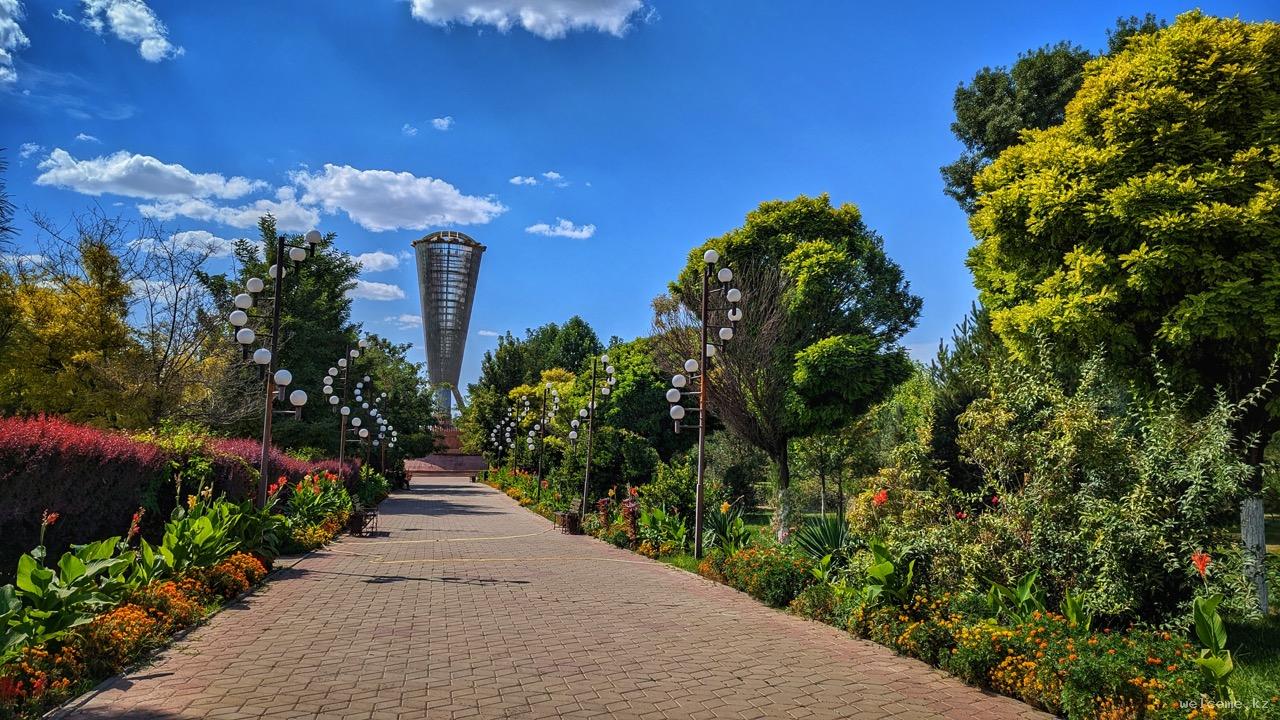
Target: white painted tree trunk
x=1253 y=533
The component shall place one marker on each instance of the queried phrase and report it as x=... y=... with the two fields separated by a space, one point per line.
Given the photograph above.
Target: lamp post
x=589 y=414
x=699 y=370
x=276 y=380
x=542 y=430
x=343 y=368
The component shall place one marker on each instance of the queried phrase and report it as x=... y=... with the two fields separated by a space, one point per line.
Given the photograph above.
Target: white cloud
x=28 y=149
x=405 y=321
x=289 y=214
x=442 y=123
x=377 y=261
x=556 y=178
x=140 y=176
x=22 y=259
x=384 y=200
x=408 y=130
x=365 y=290
x=85 y=137
x=133 y=22
x=62 y=15
x=11 y=38
x=523 y=180
x=562 y=228
x=548 y=19
x=201 y=241
x=487 y=333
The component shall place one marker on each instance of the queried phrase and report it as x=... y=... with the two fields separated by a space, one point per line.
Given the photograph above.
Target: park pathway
x=471 y=607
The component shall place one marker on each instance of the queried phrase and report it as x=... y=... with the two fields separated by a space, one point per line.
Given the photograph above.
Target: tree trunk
x=1253 y=532
x=840 y=493
x=822 y=494
x=782 y=514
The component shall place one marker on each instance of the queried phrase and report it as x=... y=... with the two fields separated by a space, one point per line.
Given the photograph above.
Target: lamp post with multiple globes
x=589 y=414
x=276 y=380
x=340 y=375
x=698 y=370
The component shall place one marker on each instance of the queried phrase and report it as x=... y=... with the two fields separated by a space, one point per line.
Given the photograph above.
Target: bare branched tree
x=179 y=363
x=739 y=375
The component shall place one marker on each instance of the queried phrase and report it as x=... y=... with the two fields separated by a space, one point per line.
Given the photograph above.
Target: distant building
x=448 y=268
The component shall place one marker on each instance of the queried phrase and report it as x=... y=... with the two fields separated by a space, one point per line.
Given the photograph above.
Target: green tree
x=824 y=308
x=315 y=329
x=1148 y=222
x=1000 y=103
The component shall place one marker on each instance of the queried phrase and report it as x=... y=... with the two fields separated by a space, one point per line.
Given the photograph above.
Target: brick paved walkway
x=472 y=607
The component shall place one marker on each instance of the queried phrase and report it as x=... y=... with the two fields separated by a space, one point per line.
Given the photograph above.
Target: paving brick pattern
x=471 y=607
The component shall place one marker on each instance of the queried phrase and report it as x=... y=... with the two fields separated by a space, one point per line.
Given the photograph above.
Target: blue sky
x=635 y=130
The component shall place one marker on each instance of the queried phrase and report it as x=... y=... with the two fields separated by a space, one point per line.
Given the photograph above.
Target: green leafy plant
x=1074 y=611
x=888 y=576
x=371 y=487
x=1215 y=659
x=825 y=537
x=659 y=526
x=726 y=529
x=45 y=603
x=199 y=537
x=1019 y=602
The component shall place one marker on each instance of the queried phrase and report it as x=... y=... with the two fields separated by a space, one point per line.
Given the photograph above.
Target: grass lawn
x=1255 y=647
x=683 y=561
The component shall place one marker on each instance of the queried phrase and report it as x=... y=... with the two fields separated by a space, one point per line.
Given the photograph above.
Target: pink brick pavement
x=472 y=607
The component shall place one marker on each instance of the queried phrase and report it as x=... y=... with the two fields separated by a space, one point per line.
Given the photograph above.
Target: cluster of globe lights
x=537 y=427
x=507 y=426
x=611 y=380
x=239 y=318
x=385 y=429
x=734 y=314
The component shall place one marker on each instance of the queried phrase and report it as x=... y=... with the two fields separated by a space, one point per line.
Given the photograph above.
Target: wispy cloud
x=29 y=149
x=442 y=123
x=523 y=180
x=562 y=228
x=548 y=19
x=408 y=130
x=366 y=290
x=488 y=333
x=406 y=321
x=85 y=137
x=377 y=261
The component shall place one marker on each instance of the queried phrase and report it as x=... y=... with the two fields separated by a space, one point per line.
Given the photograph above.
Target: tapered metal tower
x=448 y=267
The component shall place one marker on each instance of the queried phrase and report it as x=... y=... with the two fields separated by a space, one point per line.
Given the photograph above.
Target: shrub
x=310 y=537
x=771 y=575
x=235 y=575
x=713 y=565
x=92 y=478
x=116 y=638
x=171 y=604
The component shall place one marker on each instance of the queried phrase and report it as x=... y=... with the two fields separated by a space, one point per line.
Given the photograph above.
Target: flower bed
x=95 y=478
x=103 y=606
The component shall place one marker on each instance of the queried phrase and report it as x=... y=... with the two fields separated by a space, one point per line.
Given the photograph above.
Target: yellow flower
x=724 y=507
x=191 y=502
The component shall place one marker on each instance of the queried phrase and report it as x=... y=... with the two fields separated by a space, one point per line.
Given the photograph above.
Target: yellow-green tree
x=1148 y=222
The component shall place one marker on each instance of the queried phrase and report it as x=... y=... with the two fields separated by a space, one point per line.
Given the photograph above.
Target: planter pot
x=357 y=521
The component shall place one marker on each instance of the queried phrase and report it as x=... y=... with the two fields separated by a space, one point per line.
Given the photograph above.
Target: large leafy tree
x=999 y=103
x=315 y=329
x=1148 y=222
x=824 y=309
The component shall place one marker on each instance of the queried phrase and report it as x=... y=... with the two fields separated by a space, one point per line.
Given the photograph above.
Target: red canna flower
x=961 y=515
x=48 y=519
x=881 y=497
x=1201 y=561
x=995 y=499
x=135 y=525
